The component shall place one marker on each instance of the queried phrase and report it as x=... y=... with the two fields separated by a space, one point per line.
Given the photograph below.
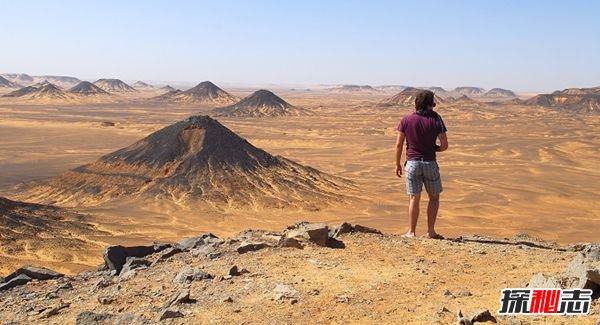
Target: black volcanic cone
x=87 y=88
x=192 y=161
x=260 y=103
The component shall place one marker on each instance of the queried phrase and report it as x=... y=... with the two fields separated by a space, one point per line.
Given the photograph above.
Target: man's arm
x=399 y=146
x=443 y=142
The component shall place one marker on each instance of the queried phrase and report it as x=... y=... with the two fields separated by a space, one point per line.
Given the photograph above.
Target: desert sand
x=510 y=169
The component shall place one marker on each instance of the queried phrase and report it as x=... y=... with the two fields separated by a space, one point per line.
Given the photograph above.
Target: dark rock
x=227 y=299
x=197 y=241
x=107 y=123
x=170 y=252
x=90 y=318
x=115 y=257
x=38 y=273
x=20 y=279
x=53 y=310
x=251 y=247
x=290 y=242
x=233 y=271
x=481 y=316
x=346 y=228
x=168 y=313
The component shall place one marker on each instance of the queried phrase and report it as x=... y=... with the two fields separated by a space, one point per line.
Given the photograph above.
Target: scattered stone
x=342 y=299
x=127 y=275
x=107 y=124
x=197 y=241
x=227 y=299
x=233 y=271
x=101 y=283
x=448 y=293
x=283 y=291
x=479 y=316
x=91 y=318
x=168 y=313
x=106 y=300
x=182 y=296
x=464 y=293
x=20 y=279
x=441 y=310
x=251 y=246
x=185 y=275
x=53 y=310
x=201 y=275
x=346 y=228
x=290 y=242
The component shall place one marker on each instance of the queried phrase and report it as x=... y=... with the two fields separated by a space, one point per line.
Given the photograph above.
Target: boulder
x=233 y=271
x=539 y=280
x=283 y=291
x=583 y=272
x=246 y=247
x=115 y=257
x=197 y=241
x=180 y=297
x=38 y=273
x=20 y=279
x=185 y=275
x=290 y=242
x=317 y=233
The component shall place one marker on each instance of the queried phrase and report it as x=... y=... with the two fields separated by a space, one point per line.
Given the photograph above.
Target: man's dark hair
x=424 y=99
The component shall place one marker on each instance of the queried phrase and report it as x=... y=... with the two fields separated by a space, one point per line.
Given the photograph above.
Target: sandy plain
x=509 y=169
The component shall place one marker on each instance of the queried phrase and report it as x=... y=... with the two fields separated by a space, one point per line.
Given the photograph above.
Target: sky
x=522 y=45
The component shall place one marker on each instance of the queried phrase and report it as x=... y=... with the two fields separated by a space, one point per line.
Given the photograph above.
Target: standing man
x=421 y=130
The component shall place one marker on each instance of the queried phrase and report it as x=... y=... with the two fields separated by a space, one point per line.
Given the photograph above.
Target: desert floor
x=509 y=169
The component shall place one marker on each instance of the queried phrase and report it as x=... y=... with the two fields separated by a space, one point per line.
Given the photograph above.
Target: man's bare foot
x=434 y=236
x=409 y=235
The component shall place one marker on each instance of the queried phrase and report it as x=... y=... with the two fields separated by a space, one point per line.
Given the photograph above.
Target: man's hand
x=399 y=171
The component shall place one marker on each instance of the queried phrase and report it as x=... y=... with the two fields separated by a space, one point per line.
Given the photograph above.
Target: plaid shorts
x=418 y=172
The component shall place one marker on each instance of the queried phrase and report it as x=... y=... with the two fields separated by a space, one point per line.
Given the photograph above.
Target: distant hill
x=87 y=88
x=46 y=90
x=142 y=85
x=439 y=91
x=463 y=100
x=391 y=88
x=167 y=88
x=19 y=78
x=355 y=89
x=114 y=86
x=205 y=92
x=499 y=93
x=261 y=103
x=405 y=98
x=5 y=83
x=168 y=96
x=585 y=100
x=469 y=91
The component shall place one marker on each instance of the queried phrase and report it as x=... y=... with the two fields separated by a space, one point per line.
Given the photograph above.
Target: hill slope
x=205 y=92
x=114 y=86
x=86 y=88
x=405 y=98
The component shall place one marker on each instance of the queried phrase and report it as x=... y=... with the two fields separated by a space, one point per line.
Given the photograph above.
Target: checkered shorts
x=418 y=172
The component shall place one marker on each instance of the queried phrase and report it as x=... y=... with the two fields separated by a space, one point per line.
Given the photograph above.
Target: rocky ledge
x=307 y=273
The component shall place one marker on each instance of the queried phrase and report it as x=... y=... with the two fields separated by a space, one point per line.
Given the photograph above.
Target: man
x=421 y=130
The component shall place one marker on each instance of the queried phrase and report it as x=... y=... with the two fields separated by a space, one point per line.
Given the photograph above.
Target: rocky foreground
x=305 y=274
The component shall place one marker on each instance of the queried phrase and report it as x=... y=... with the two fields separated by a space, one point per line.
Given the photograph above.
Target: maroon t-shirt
x=421 y=132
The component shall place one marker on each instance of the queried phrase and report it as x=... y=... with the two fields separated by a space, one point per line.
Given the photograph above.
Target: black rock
x=170 y=252
x=20 y=279
x=115 y=257
x=197 y=241
x=169 y=313
x=246 y=247
x=133 y=263
x=38 y=273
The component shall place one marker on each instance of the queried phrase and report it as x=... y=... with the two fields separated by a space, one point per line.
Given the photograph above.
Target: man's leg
x=432 y=211
x=413 y=213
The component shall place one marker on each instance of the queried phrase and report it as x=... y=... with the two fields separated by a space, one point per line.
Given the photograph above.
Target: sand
x=509 y=169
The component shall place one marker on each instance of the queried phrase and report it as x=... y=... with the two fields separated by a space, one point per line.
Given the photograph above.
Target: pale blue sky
x=523 y=45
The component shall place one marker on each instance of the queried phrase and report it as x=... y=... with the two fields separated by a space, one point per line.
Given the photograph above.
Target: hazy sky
x=523 y=45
